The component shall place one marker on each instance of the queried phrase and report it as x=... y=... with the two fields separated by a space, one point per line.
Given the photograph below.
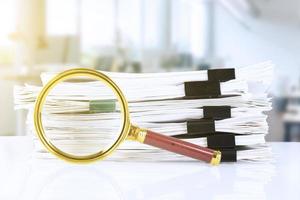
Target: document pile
x=223 y=109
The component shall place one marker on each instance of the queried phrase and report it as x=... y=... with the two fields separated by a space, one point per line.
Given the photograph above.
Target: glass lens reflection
x=82 y=116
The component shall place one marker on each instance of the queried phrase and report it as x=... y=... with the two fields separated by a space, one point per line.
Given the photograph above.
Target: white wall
x=249 y=41
x=268 y=37
x=272 y=36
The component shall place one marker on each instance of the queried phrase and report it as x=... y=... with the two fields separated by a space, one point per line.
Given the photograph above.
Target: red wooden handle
x=181 y=147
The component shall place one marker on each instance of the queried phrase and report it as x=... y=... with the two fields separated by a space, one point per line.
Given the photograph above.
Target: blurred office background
x=151 y=36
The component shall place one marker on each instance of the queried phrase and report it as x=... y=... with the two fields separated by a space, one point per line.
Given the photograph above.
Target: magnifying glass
x=81 y=137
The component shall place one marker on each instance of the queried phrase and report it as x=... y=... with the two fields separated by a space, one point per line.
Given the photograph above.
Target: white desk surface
x=24 y=178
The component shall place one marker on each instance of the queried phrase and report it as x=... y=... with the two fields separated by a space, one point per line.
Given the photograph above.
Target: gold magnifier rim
x=42 y=98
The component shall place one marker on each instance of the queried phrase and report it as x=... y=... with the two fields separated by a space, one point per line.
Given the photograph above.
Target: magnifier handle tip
x=182 y=147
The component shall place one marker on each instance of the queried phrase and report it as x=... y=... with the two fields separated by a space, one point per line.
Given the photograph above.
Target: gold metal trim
x=71 y=74
x=137 y=134
x=216 y=159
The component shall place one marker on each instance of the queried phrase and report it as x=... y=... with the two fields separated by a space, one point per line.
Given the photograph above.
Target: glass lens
x=82 y=116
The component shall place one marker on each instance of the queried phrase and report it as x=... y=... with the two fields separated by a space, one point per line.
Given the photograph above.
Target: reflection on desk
x=25 y=178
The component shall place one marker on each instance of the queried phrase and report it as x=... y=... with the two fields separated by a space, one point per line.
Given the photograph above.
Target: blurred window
x=188 y=26
x=155 y=25
x=97 y=23
x=134 y=23
x=7 y=27
x=62 y=17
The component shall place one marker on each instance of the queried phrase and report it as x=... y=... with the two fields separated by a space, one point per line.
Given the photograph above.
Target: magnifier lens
x=82 y=116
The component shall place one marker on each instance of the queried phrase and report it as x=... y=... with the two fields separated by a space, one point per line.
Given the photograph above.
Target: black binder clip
x=228 y=155
x=221 y=140
x=202 y=126
x=217 y=112
x=202 y=89
x=221 y=75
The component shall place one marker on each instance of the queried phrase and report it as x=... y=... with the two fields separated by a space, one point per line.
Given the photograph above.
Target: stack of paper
x=222 y=109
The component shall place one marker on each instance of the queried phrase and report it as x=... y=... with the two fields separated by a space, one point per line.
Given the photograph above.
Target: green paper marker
x=101 y=106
